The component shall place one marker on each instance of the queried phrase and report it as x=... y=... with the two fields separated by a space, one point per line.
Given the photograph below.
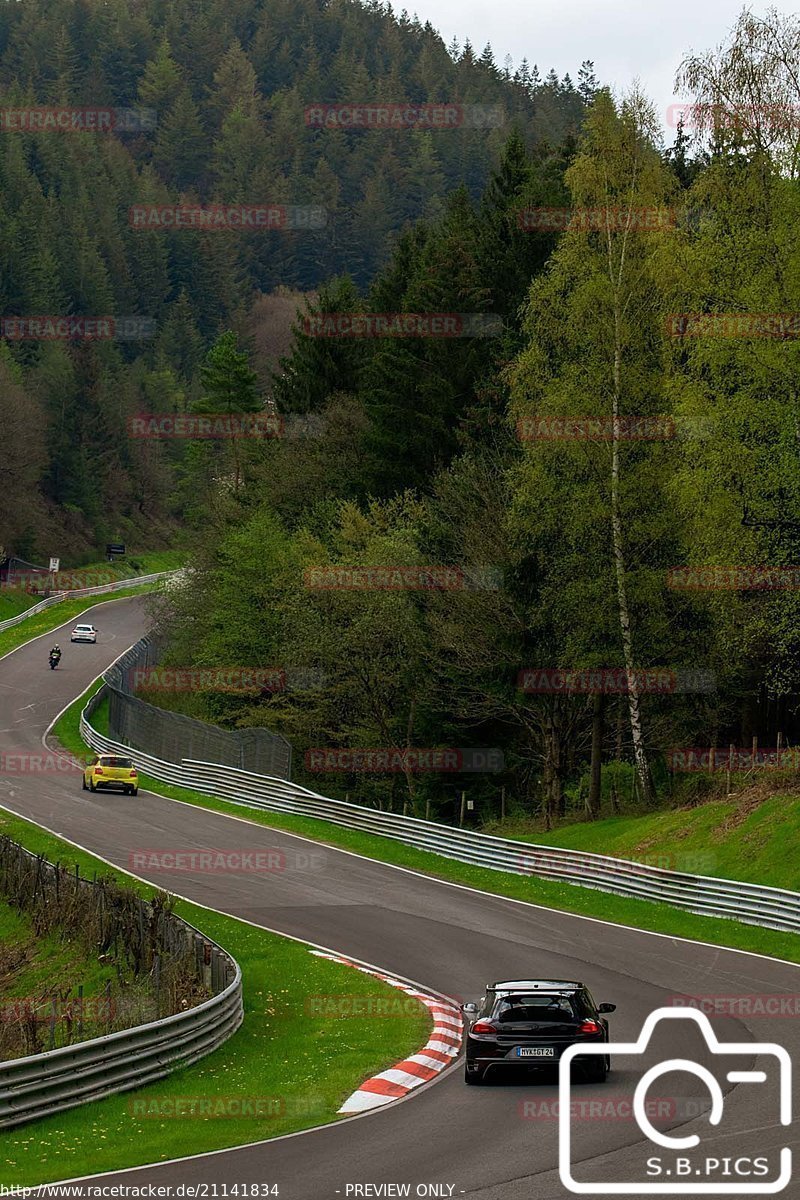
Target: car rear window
x=115 y=762
x=535 y=1007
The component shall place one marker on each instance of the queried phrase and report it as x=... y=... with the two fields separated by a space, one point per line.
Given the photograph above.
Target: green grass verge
x=297 y=1067
x=641 y=914
x=37 y=968
x=13 y=602
x=145 y=563
x=47 y=962
x=752 y=837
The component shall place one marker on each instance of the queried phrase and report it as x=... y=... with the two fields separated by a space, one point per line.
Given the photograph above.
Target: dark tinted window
x=115 y=762
x=536 y=1006
x=585 y=1005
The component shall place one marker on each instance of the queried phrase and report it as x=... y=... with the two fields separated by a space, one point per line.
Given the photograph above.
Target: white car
x=84 y=633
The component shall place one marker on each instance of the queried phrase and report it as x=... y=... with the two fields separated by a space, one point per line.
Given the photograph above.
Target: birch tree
x=595 y=350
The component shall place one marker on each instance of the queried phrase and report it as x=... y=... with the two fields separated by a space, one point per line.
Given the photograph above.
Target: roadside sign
x=55 y=563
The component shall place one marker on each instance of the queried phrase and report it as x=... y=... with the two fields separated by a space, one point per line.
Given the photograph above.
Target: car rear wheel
x=83 y=782
x=596 y=1070
x=474 y=1078
x=134 y=791
x=92 y=788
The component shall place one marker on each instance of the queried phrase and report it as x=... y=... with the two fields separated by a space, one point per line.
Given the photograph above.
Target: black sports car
x=529 y=1023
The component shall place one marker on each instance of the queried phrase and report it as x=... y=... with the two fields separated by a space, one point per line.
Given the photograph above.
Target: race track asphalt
x=482 y=1142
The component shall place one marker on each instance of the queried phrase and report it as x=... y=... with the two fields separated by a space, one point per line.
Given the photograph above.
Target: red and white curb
x=441 y=1048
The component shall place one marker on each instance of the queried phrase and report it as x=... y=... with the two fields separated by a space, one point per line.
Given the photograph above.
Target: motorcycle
x=55 y=659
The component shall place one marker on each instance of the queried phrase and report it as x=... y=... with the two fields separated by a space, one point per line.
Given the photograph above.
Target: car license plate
x=535 y=1052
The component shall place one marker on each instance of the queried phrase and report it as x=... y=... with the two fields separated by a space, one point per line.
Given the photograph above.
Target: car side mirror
x=469 y=1010
x=607 y=1008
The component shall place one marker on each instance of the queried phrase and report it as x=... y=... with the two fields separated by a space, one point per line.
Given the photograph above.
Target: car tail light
x=590 y=1027
x=98 y=770
x=133 y=774
x=483 y=1027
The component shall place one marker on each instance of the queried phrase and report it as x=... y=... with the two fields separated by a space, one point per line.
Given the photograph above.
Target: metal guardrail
x=57 y=1080
x=117 y=586
x=753 y=904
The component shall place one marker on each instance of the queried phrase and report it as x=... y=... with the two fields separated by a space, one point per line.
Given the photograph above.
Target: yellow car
x=110 y=771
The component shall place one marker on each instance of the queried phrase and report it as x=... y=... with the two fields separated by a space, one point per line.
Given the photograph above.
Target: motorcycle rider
x=56 y=652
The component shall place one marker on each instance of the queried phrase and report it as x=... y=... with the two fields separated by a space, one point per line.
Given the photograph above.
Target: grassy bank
x=752 y=836
x=293 y=1067
x=39 y=976
x=641 y=914
x=13 y=602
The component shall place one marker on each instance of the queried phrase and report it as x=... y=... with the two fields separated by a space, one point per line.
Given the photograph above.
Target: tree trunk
x=639 y=756
x=596 y=770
